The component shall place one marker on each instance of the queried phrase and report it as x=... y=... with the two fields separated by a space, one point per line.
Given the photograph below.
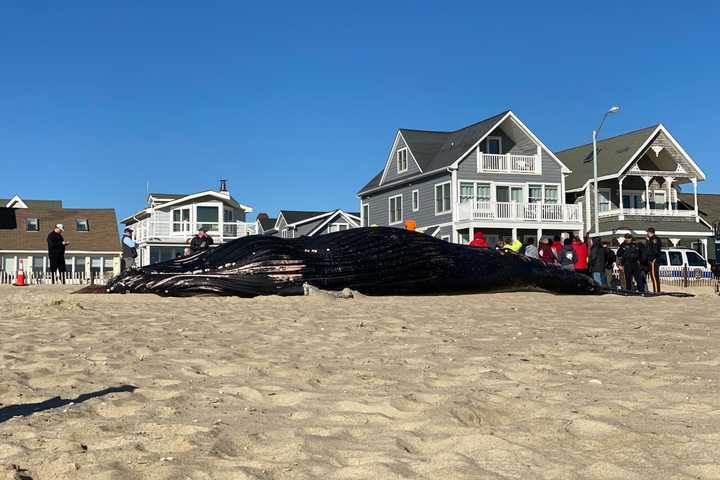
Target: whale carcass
x=373 y=261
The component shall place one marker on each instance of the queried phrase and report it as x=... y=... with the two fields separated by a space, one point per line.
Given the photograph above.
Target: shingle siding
x=425 y=217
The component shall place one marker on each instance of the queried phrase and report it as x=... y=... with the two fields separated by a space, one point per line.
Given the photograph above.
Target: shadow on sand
x=26 y=409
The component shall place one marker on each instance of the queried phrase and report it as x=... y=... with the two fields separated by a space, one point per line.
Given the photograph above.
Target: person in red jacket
x=581 y=250
x=546 y=252
x=556 y=245
x=479 y=240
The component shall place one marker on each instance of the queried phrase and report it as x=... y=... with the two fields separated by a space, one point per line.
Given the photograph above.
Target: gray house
x=294 y=223
x=639 y=176
x=495 y=176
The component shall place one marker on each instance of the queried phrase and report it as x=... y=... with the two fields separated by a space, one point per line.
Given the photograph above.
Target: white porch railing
x=77 y=278
x=150 y=229
x=507 y=163
x=523 y=212
x=652 y=212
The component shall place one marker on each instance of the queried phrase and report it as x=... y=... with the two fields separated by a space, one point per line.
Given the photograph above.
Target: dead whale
x=373 y=261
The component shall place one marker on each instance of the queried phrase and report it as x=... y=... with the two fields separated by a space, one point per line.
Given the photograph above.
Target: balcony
x=174 y=232
x=507 y=163
x=647 y=212
x=519 y=212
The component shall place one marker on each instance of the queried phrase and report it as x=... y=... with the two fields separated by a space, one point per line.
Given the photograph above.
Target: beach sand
x=511 y=386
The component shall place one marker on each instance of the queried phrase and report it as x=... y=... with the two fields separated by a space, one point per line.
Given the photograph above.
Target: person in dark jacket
x=598 y=260
x=568 y=256
x=479 y=240
x=200 y=242
x=609 y=264
x=654 y=249
x=129 y=250
x=628 y=257
x=56 y=252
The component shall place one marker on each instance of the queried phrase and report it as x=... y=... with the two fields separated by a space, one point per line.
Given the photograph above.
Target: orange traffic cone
x=20 y=276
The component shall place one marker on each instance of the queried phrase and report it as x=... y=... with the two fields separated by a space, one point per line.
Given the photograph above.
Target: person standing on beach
x=129 y=250
x=598 y=260
x=479 y=241
x=545 y=251
x=568 y=256
x=56 y=252
x=530 y=249
x=628 y=257
x=609 y=264
x=654 y=247
x=557 y=246
x=201 y=242
x=581 y=250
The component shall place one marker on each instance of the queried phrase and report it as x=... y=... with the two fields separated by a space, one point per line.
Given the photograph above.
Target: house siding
x=551 y=171
x=425 y=217
x=391 y=173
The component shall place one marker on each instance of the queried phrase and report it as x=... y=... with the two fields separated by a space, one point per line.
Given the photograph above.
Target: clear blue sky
x=296 y=103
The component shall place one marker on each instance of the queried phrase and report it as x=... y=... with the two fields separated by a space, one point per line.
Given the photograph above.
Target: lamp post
x=595 y=133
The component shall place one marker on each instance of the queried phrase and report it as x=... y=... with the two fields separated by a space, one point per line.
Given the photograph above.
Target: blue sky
x=297 y=103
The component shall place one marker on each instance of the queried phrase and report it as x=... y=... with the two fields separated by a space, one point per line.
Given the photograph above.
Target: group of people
x=200 y=242
x=636 y=260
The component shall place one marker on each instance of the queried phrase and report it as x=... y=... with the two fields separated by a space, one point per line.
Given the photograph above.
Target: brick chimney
x=223 y=185
x=262 y=216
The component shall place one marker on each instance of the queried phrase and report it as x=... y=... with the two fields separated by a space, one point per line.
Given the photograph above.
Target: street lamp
x=595 y=133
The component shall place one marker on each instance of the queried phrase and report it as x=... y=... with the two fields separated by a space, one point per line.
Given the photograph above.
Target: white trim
x=301 y=222
x=658 y=233
x=16 y=202
x=398 y=136
x=404 y=160
x=364 y=219
x=443 y=212
x=415 y=195
x=390 y=209
x=445 y=238
x=500 y=145
x=68 y=252
x=210 y=193
x=412 y=179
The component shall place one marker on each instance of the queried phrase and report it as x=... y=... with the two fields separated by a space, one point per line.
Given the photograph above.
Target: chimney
x=262 y=216
x=223 y=185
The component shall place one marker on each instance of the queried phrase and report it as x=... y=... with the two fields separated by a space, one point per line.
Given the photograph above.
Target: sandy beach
x=507 y=386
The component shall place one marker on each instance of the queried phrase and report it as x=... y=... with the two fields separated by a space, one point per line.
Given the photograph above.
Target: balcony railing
x=149 y=229
x=519 y=212
x=651 y=212
x=507 y=163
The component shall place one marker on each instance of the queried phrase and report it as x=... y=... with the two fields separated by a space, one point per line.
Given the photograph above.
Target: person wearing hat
x=129 y=250
x=200 y=242
x=56 y=252
x=629 y=255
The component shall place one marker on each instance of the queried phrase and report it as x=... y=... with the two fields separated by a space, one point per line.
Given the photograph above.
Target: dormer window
x=82 y=225
x=402 y=160
x=494 y=145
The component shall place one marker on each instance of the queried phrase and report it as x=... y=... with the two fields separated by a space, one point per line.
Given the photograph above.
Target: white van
x=672 y=261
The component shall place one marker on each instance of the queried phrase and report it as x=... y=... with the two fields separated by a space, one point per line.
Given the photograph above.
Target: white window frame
x=390 y=201
x=402 y=160
x=449 y=210
x=365 y=217
x=445 y=237
x=609 y=199
x=337 y=225
x=558 y=189
x=664 y=195
x=87 y=224
x=500 y=145
x=27 y=224
x=640 y=193
x=415 y=200
x=185 y=225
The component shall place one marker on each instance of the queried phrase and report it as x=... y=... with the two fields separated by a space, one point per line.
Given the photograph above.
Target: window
x=207 y=217
x=633 y=200
x=535 y=193
x=467 y=192
x=181 y=220
x=445 y=237
x=402 y=160
x=604 y=200
x=662 y=259
x=95 y=265
x=442 y=198
x=415 y=200
x=695 y=260
x=32 y=225
x=551 y=194
x=483 y=192
x=337 y=227
x=228 y=216
x=494 y=145
x=659 y=197
x=366 y=215
x=82 y=225
x=395 y=206
x=79 y=264
x=109 y=265
x=676 y=259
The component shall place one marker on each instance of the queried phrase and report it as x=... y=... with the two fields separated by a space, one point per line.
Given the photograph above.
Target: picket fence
x=78 y=278
x=679 y=276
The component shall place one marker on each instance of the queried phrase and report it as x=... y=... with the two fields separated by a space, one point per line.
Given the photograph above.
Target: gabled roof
x=337 y=214
x=33 y=203
x=613 y=154
x=102 y=236
x=267 y=223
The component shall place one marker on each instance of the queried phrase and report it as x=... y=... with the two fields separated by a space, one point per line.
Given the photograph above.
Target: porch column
x=668 y=182
x=695 y=200
x=514 y=233
x=704 y=243
x=539 y=235
x=647 y=179
x=622 y=206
